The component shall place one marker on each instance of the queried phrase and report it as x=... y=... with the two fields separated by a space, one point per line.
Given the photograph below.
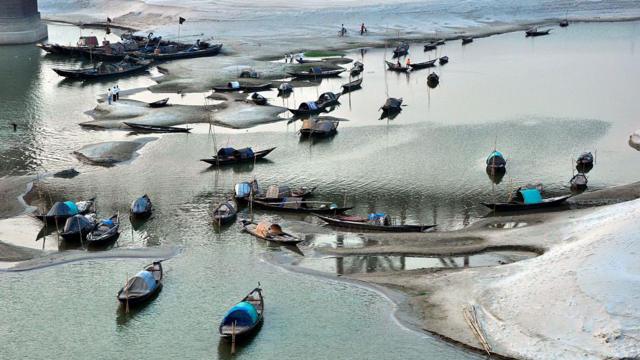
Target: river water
x=543 y=101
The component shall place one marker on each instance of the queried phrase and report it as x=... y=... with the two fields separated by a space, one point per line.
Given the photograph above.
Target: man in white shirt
x=109 y=96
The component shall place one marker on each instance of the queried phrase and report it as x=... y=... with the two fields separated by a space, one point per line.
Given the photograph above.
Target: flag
x=181 y=20
x=109 y=20
x=108 y=30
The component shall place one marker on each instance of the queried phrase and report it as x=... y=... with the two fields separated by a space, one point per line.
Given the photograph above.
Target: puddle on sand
x=355 y=264
x=507 y=225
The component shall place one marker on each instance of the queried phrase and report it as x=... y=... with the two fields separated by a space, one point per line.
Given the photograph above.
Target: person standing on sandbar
x=109 y=96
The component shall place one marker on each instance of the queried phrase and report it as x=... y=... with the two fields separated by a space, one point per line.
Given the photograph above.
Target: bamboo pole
x=126 y=294
x=471 y=319
x=233 y=338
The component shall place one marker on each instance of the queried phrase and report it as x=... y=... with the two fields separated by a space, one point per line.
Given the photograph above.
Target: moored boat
x=351 y=86
x=156 y=128
x=298 y=205
x=237 y=86
x=62 y=210
x=245 y=190
x=103 y=70
x=564 y=23
x=443 y=60
x=318 y=128
x=244 y=318
x=316 y=72
x=225 y=213
x=397 y=67
x=401 y=50
x=392 y=104
x=467 y=40
x=144 y=286
x=585 y=162
x=323 y=104
x=496 y=160
x=374 y=222
x=433 y=80
x=77 y=227
x=579 y=182
x=258 y=99
x=182 y=51
x=423 y=65
x=527 y=198
x=269 y=232
x=141 y=208
x=430 y=46
x=159 y=103
x=105 y=233
x=227 y=156
x=536 y=32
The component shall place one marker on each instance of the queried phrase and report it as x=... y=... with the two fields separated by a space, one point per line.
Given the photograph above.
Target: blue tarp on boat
x=72 y=207
x=243 y=314
x=66 y=208
x=493 y=154
x=148 y=278
x=243 y=189
x=531 y=196
x=140 y=205
x=226 y=151
x=376 y=216
x=245 y=153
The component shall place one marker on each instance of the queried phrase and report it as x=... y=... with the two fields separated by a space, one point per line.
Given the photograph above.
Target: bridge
x=20 y=22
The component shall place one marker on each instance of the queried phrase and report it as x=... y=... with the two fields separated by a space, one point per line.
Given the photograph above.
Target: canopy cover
x=243 y=314
x=141 y=205
x=531 y=196
x=67 y=208
x=243 y=189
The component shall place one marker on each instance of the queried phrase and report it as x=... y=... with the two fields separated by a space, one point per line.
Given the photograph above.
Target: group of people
x=289 y=58
x=113 y=94
x=343 y=30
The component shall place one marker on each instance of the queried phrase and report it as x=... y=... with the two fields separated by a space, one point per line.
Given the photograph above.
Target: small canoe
x=77 y=227
x=443 y=60
x=351 y=86
x=156 y=128
x=318 y=128
x=584 y=162
x=553 y=202
x=236 y=86
x=244 y=318
x=141 y=208
x=358 y=223
x=298 y=205
x=237 y=156
x=401 y=50
x=323 y=104
x=159 y=103
x=105 y=233
x=467 y=40
x=144 y=286
x=269 y=232
x=225 y=213
x=430 y=46
x=392 y=104
x=106 y=70
x=316 y=73
x=564 y=23
x=397 y=68
x=61 y=211
x=258 y=99
x=579 y=182
x=423 y=65
x=536 y=32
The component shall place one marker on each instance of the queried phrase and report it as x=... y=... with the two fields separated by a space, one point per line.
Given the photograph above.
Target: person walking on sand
x=363 y=29
x=109 y=96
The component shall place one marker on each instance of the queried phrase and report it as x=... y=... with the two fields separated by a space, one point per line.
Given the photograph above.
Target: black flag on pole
x=181 y=20
x=109 y=20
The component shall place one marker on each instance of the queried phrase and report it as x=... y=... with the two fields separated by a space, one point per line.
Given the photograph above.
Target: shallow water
x=545 y=99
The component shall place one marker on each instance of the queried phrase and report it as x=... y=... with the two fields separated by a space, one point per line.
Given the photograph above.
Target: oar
x=233 y=338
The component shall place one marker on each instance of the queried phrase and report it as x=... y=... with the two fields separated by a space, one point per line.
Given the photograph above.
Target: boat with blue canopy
x=62 y=210
x=141 y=208
x=105 y=233
x=144 y=286
x=496 y=160
x=229 y=155
x=528 y=198
x=77 y=227
x=244 y=318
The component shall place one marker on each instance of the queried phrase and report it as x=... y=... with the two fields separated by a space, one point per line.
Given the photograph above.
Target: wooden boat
x=227 y=156
x=351 y=86
x=316 y=72
x=520 y=206
x=143 y=287
x=77 y=227
x=298 y=205
x=584 y=162
x=496 y=160
x=357 y=68
x=103 y=70
x=430 y=46
x=61 y=211
x=284 y=89
x=564 y=23
x=105 y=233
x=244 y=190
x=258 y=99
x=396 y=67
x=159 y=103
x=423 y=65
x=433 y=80
x=401 y=50
x=156 y=128
x=244 y=318
x=225 y=213
x=392 y=104
x=141 y=208
x=188 y=53
x=361 y=223
x=318 y=128
x=324 y=102
x=467 y=40
x=237 y=86
x=269 y=232
x=536 y=32
x=440 y=42
x=579 y=182
x=443 y=60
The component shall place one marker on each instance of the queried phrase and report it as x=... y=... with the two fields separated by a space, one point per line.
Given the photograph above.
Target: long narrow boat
x=237 y=86
x=316 y=73
x=315 y=127
x=358 y=223
x=297 y=205
x=141 y=208
x=401 y=50
x=467 y=40
x=423 y=65
x=351 y=86
x=212 y=50
x=397 y=68
x=536 y=32
x=144 y=286
x=553 y=202
x=156 y=128
x=159 y=103
x=77 y=227
x=443 y=60
x=237 y=156
x=269 y=232
x=105 y=233
x=105 y=70
x=323 y=104
x=244 y=318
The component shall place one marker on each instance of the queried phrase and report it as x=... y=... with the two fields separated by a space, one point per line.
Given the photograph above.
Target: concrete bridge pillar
x=20 y=22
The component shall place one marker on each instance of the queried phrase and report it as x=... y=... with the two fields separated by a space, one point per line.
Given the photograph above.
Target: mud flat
x=111 y=152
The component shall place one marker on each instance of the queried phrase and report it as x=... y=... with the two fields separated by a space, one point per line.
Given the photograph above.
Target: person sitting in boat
x=195 y=46
x=398 y=63
x=408 y=61
x=363 y=29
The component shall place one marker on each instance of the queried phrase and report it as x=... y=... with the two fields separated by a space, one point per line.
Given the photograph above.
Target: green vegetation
x=323 y=53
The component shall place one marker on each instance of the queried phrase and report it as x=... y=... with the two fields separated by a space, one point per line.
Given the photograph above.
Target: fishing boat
x=77 y=227
x=351 y=86
x=258 y=99
x=578 y=182
x=245 y=190
x=141 y=208
x=536 y=32
x=182 y=51
x=237 y=86
x=401 y=50
x=127 y=66
x=423 y=65
x=144 y=286
x=269 y=232
x=244 y=318
x=298 y=205
x=105 y=233
x=440 y=42
x=324 y=102
x=392 y=104
x=584 y=162
x=433 y=80
x=142 y=128
x=316 y=72
x=443 y=60
x=374 y=222
x=318 y=128
x=225 y=213
x=467 y=40
x=397 y=67
x=159 y=103
x=62 y=210
x=227 y=156
x=528 y=198
x=496 y=160
x=357 y=68
x=430 y=46
x=285 y=89
x=564 y=23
